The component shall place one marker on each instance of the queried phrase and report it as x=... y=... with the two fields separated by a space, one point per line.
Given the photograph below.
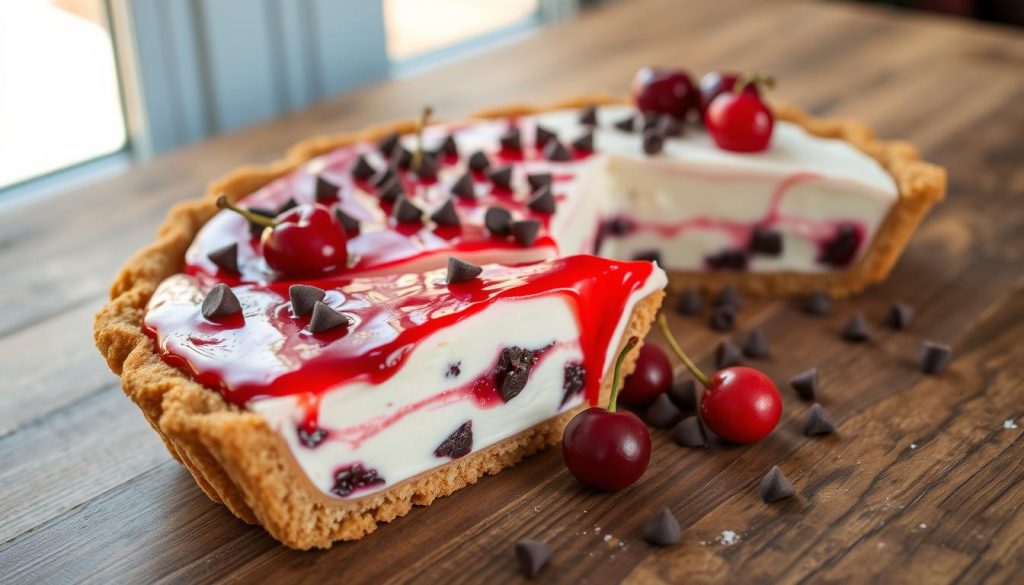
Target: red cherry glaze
x=739 y=122
x=662 y=90
x=652 y=376
x=715 y=84
x=306 y=241
x=741 y=405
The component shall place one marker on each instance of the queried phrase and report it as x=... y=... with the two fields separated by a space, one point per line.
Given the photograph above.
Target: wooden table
x=924 y=483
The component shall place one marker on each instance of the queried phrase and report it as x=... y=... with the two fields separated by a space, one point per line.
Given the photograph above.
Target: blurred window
x=418 y=27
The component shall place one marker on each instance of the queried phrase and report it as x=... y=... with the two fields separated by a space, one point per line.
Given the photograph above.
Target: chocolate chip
x=654 y=142
x=511 y=140
x=446 y=215
x=497 y=220
x=900 y=316
x=690 y=433
x=428 y=167
x=513 y=371
x=478 y=161
x=648 y=256
x=304 y=298
x=684 y=394
x=818 y=304
x=650 y=121
x=325 y=318
x=856 y=329
x=392 y=191
x=348 y=223
x=458 y=444
x=449 y=147
x=584 y=143
x=555 y=151
x=756 y=345
x=668 y=126
x=818 y=422
x=287 y=206
x=543 y=136
x=663 y=529
x=934 y=357
x=325 y=190
x=256 y=229
x=728 y=355
x=806 y=384
x=690 y=302
x=729 y=297
x=766 y=242
x=723 y=318
x=387 y=144
x=220 y=302
x=461 y=271
x=662 y=413
x=401 y=158
x=363 y=170
x=225 y=258
x=727 y=260
x=775 y=486
x=501 y=177
x=525 y=231
x=532 y=556
x=841 y=249
x=542 y=200
x=463 y=188
x=573 y=380
x=538 y=180
x=384 y=177
x=627 y=124
x=406 y=211
x=588 y=117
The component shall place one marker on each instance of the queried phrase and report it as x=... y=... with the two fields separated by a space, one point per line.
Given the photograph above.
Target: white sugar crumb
x=880 y=545
x=728 y=538
x=536 y=508
x=913 y=445
x=1009 y=424
x=607 y=537
x=922 y=526
x=597 y=530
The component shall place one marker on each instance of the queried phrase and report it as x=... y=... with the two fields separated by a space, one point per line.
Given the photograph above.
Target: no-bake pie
x=382 y=317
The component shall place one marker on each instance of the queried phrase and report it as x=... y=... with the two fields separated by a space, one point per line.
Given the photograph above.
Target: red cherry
x=658 y=90
x=606 y=449
x=740 y=122
x=741 y=405
x=715 y=84
x=652 y=376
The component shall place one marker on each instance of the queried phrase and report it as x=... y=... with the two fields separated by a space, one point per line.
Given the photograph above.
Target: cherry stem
x=617 y=376
x=748 y=79
x=667 y=334
x=417 y=157
x=223 y=203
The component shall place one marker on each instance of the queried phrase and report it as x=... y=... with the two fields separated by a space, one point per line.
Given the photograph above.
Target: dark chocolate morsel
x=304 y=298
x=325 y=190
x=899 y=317
x=387 y=144
x=497 y=220
x=856 y=329
x=934 y=357
x=806 y=384
x=513 y=371
x=384 y=177
x=690 y=302
x=287 y=206
x=348 y=223
x=392 y=191
x=729 y=297
x=478 y=161
x=662 y=413
x=648 y=256
x=458 y=444
x=325 y=318
x=653 y=142
x=542 y=200
x=532 y=556
x=363 y=170
x=663 y=529
x=728 y=355
x=428 y=167
x=584 y=143
x=723 y=318
x=543 y=136
x=627 y=124
x=684 y=394
x=555 y=151
x=256 y=229
x=668 y=126
x=756 y=345
x=650 y=122
x=225 y=258
x=775 y=486
x=766 y=242
x=727 y=260
x=463 y=187
x=690 y=433
x=501 y=177
x=449 y=146
x=446 y=215
x=406 y=211
x=511 y=140
x=525 y=231
x=220 y=302
x=401 y=158
x=818 y=304
x=818 y=422
x=588 y=117
x=461 y=271
x=538 y=180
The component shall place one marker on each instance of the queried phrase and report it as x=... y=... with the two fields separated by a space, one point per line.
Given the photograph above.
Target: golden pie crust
x=236 y=459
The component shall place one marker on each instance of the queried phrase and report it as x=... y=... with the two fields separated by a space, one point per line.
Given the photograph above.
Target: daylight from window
x=415 y=27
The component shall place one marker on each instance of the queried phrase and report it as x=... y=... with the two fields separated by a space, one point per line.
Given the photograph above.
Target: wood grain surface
x=922 y=484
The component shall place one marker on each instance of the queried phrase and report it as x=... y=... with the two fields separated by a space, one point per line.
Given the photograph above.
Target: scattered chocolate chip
x=525 y=231
x=454 y=370
x=401 y=158
x=690 y=433
x=584 y=143
x=619 y=226
x=363 y=170
x=325 y=190
x=446 y=215
x=899 y=317
x=287 y=206
x=458 y=444
x=497 y=220
x=684 y=394
x=653 y=142
x=543 y=136
x=304 y=298
x=220 y=302
x=766 y=242
x=538 y=180
x=573 y=380
x=648 y=256
x=650 y=121
x=478 y=161
x=934 y=357
x=806 y=384
x=627 y=124
x=756 y=345
x=588 y=117
x=856 y=329
x=406 y=211
x=727 y=260
x=348 y=223
x=449 y=146
x=513 y=371
x=311 y=439
x=729 y=297
x=461 y=271
x=818 y=422
x=842 y=248
x=818 y=304
x=387 y=145
x=690 y=302
x=663 y=529
x=463 y=188
x=256 y=229
x=384 y=177
x=542 y=200
x=392 y=191
x=555 y=151
x=728 y=355
x=532 y=556
x=501 y=177
x=225 y=258
x=662 y=413
x=775 y=486
x=512 y=140
x=325 y=318
x=723 y=318
x=668 y=126
x=354 y=477
x=428 y=167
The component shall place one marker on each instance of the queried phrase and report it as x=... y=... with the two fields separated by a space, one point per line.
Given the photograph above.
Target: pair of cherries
x=610 y=449
x=734 y=114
